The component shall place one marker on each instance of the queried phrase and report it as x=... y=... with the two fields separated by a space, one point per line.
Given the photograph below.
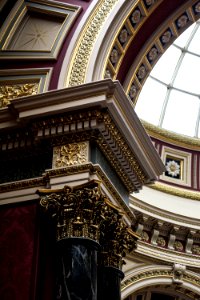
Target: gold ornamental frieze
x=70 y=154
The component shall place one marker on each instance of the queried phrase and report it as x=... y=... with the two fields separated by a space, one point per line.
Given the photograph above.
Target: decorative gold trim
x=16 y=83
x=137 y=177
x=84 y=47
x=169 y=32
x=23 y=184
x=13 y=91
x=127 y=153
x=180 y=192
x=145 y=275
x=171 y=137
x=185 y=159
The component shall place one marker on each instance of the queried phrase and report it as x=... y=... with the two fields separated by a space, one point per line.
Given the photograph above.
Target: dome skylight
x=170 y=97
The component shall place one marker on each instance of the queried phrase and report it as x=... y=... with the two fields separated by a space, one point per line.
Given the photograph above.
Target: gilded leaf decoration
x=10 y=92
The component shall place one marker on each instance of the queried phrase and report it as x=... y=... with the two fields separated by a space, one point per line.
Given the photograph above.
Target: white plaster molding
x=180 y=211
x=151 y=279
x=151 y=252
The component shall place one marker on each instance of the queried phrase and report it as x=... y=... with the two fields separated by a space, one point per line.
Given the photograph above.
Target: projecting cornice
x=101 y=106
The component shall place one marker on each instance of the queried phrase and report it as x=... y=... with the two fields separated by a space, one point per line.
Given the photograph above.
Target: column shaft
x=76 y=269
x=109 y=283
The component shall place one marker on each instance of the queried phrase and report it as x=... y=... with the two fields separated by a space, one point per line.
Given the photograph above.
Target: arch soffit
x=97 y=30
x=97 y=35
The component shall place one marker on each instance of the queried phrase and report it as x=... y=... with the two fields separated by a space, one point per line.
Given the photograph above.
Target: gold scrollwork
x=10 y=92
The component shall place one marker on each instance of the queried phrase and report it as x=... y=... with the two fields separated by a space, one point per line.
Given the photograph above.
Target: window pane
x=165 y=66
x=151 y=100
x=181 y=113
x=188 y=75
x=195 y=45
x=183 y=38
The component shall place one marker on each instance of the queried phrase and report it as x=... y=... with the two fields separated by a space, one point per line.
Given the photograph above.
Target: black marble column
x=109 y=283
x=76 y=269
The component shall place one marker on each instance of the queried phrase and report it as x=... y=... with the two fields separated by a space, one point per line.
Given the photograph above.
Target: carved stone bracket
x=178 y=272
x=83 y=211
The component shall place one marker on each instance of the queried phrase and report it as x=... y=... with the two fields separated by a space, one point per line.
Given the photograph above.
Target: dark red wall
x=26 y=253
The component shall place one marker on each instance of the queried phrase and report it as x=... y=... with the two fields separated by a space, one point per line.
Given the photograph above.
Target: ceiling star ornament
x=173 y=168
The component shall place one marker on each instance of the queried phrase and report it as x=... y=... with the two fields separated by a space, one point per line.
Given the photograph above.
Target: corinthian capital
x=84 y=211
x=78 y=210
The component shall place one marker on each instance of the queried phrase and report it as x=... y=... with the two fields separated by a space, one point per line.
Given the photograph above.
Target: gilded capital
x=78 y=210
x=116 y=239
x=84 y=211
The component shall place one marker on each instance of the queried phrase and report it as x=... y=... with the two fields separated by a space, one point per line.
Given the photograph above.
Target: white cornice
x=106 y=94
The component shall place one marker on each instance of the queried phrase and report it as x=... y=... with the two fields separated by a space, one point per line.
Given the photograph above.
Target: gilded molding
x=23 y=184
x=161 y=254
x=78 y=211
x=117 y=240
x=79 y=61
x=146 y=275
x=180 y=192
x=171 y=137
x=125 y=149
x=10 y=92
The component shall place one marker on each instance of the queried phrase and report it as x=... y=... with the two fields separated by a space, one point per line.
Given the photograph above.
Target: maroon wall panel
x=18 y=251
